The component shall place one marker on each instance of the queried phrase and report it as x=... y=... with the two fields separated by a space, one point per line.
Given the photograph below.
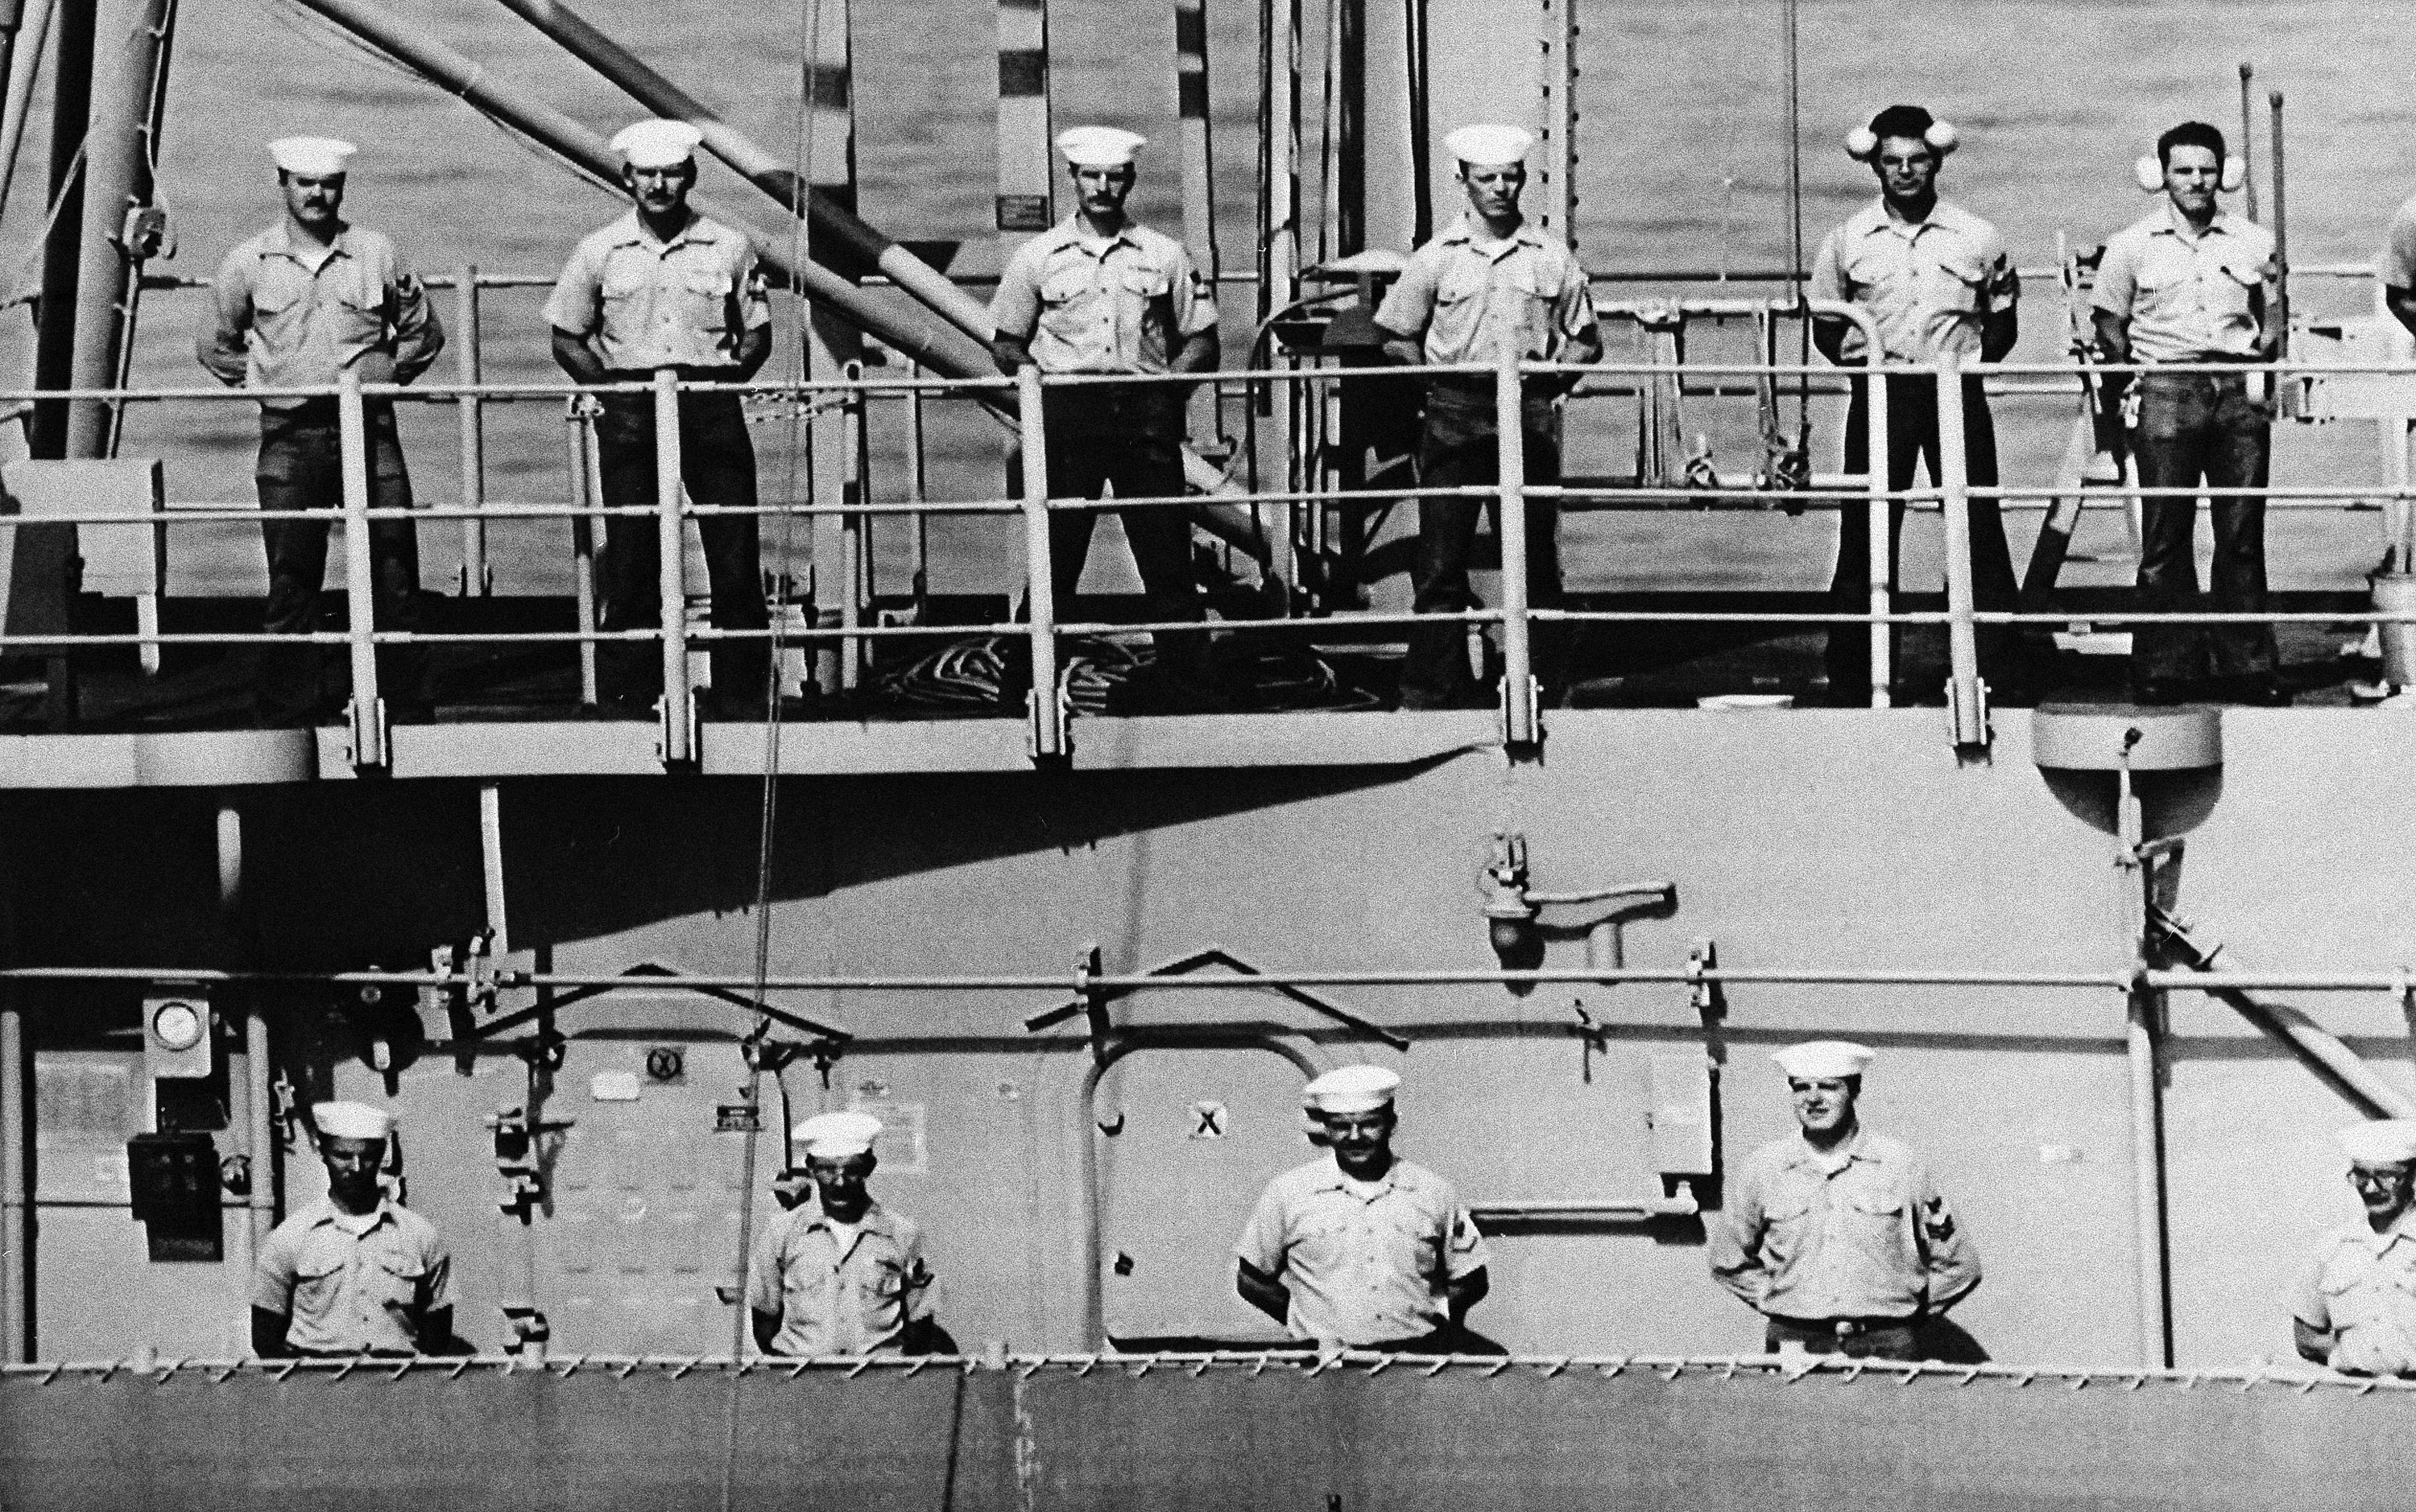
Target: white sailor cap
x=1351 y=1089
x=657 y=144
x=1099 y=146
x=1489 y=145
x=310 y=156
x=350 y=1120
x=1824 y=1060
x=835 y=1136
x=2382 y=1141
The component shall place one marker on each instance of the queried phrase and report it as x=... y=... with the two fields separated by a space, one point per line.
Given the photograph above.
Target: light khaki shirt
x=293 y=315
x=684 y=303
x=1089 y=306
x=348 y=1293
x=1367 y=1263
x=1858 y=1232
x=2189 y=295
x=2361 y=1287
x=840 y=1294
x=1930 y=285
x=1461 y=297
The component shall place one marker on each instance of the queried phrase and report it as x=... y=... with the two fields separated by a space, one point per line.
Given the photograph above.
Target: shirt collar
x=630 y=232
x=875 y=1220
x=1078 y=236
x=280 y=241
x=1874 y=217
x=328 y=1216
x=2172 y=224
x=1856 y=1148
x=1463 y=230
x=1332 y=1178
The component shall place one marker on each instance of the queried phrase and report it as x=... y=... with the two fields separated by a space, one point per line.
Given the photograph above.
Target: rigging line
x=1795 y=206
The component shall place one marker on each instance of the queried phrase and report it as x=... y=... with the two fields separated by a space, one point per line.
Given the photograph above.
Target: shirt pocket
x=1416 y=1239
x=2233 y=292
x=318 y=1281
x=705 y=300
x=1875 y=1219
x=1788 y=1218
x=1956 y=282
x=396 y=1280
x=1065 y=298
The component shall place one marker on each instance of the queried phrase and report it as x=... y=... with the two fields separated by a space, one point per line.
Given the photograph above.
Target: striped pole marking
x=831 y=346
x=1024 y=176
x=1197 y=146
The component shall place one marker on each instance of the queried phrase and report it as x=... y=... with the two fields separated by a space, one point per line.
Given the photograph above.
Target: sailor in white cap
x=666 y=287
x=1362 y=1249
x=2354 y=1306
x=1836 y=1235
x=842 y=1274
x=355 y=1272
x=1101 y=293
x=296 y=306
x=1491 y=279
x=1935 y=280
x=2190 y=284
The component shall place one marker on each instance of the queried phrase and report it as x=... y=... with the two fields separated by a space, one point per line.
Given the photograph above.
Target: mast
x=118 y=153
x=54 y=329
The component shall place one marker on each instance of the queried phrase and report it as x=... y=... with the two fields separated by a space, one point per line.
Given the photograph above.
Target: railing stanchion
x=1048 y=712
x=367 y=710
x=854 y=531
x=1879 y=522
x=672 y=549
x=583 y=541
x=1966 y=695
x=917 y=487
x=1518 y=722
x=477 y=578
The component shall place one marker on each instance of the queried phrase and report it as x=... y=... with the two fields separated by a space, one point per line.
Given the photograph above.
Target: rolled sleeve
x=2118 y=279
x=222 y=348
x=1261 y=1244
x=1464 y=1251
x=418 y=335
x=2306 y=1296
x=764 y=1271
x=2001 y=283
x=576 y=305
x=1015 y=306
x=1408 y=307
x=1194 y=301
x=1947 y=1256
x=1828 y=278
x=921 y=1294
x=752 y=296
x=272 y=1274
x=436 y=1290
x=1734 y=1245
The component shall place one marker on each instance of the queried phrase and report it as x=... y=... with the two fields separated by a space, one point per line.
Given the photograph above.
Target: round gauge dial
x=177 y=1026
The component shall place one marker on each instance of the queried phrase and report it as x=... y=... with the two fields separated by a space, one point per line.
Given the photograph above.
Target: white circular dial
x=177 y=1026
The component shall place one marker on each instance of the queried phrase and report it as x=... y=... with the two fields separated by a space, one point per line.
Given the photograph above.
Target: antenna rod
x=1796 y=205
x=2247 y=141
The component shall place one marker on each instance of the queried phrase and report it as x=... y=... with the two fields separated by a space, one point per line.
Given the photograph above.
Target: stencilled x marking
x=1208 y=1120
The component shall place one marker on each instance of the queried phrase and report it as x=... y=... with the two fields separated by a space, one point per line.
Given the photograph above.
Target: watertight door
x=643 y=1242
x=1187 y=1139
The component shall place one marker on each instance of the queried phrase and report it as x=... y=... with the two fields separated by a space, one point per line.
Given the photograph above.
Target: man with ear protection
x=1936 y=280
x=2187 y=284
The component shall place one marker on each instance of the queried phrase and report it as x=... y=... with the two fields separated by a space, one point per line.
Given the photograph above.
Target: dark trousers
x=1458 y=448
x=1132 y=440
x=2198 y=428
x=718 y=465
x=1861 y=1339
x=301 y=467
x=1449 y=1338
x=1912 y=440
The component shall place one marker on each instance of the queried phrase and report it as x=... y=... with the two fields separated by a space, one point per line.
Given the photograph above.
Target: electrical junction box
x=174 y=1180
x=177 y=1034
x=1684 y=1132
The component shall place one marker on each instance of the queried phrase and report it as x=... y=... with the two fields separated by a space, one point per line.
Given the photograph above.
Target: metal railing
x=1515 y=620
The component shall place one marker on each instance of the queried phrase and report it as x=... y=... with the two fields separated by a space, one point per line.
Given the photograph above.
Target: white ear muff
x=1860 y=144
x=2148 y=173
x=2235 y=173
x=1942 y=137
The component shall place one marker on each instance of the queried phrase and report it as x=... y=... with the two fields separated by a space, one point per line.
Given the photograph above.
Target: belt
x=2153 y=376
x=1843 y=1327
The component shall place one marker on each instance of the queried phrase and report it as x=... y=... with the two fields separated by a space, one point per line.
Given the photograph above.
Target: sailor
x=1100 y=293
x=2190 y=284
x=1361 y=1249
x=667 y=288
x=842 y=1274
x=1491 y=279
x=1834 y=1234
x=2354 y=1307
x=355 y=1273
x=296 y=306
x=1936 y=281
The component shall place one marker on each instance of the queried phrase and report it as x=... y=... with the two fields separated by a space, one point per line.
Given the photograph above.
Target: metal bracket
x=1707 y=995
x=1968 y=728
x=1214 y=955
x=664 y=746
x=366 y=744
